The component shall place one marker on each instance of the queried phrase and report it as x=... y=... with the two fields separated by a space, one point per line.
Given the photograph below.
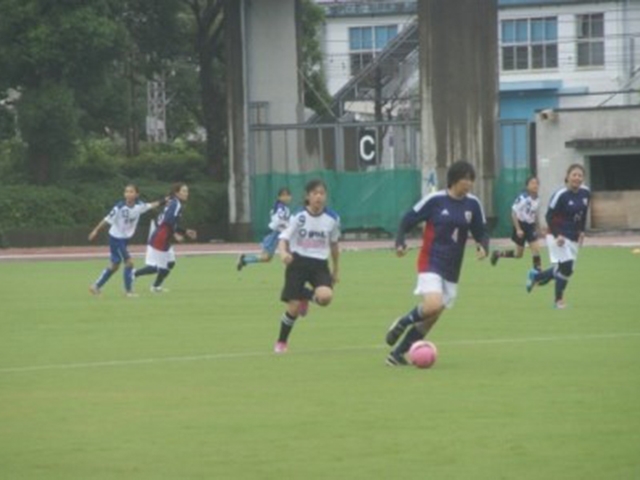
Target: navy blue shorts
x=118 y=247
x=530 y=234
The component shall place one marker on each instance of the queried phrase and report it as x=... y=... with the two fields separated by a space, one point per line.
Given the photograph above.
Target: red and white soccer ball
x=423 y=354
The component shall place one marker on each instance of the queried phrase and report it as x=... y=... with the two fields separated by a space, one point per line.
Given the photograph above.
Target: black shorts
x=302 y=270
x=530 y=234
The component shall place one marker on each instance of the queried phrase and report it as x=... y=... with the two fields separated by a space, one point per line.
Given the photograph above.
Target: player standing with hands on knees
x=305 y=247
x=449 y=216
x=566 y=219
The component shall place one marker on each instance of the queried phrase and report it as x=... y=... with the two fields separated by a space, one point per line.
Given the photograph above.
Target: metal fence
x=342 y=147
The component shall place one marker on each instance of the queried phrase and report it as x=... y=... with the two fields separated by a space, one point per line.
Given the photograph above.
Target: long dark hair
x=176 y=187
x=572 y=167
x=458 y=171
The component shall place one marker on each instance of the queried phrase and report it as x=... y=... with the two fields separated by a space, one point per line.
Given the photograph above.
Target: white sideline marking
x=268 y=353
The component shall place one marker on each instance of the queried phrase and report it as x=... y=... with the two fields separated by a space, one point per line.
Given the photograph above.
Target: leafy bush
x=13 y=162
x=54 y=207
x=178 y=162
x=95 y=161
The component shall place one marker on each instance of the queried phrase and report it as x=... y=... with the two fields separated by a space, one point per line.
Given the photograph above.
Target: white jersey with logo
x=526 y=208
x=124 y=219
x=312 y=235
x=280 y=215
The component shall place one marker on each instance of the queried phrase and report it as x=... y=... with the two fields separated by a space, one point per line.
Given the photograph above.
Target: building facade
x=553 y=54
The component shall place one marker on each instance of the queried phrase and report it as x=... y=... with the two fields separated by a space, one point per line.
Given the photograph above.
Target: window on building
x=529 y=43
x=590 y=39
x=366 y=42
x=615 y=172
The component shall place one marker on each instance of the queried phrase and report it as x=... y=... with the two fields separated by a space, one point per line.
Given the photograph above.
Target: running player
x=279 y=220
x=566 y=219
x=161 y=257
x=123 y=220
x=305 y=246
x=449 y=216
x=524 y=215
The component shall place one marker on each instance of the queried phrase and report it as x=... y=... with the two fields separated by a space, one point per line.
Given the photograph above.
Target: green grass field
x=184 y=385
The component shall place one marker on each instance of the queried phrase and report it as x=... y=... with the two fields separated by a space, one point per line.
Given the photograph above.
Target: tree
x=49 y=124
x=316 y=95
x=209 y=51
x=49 y=51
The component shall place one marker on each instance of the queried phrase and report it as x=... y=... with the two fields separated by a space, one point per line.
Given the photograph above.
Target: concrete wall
x=272 y=57
x=261 y=41
x=459 y=83
x=554 y=157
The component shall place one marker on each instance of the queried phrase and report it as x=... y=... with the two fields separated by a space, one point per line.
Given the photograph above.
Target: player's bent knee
x=170 y=265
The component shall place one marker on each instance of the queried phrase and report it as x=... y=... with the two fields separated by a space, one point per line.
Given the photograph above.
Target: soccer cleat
x=158 y=289
x=495 y=255
x=281 y=347
x=303 y=309
x=396 y=360
x=560 y=305
x=240 y=265
x=531 y=280
x=395 y=332
x=94 y=290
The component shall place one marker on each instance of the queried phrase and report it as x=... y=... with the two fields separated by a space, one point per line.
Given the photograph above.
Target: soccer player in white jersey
x=524 y=216
x=123 y=220
x=305 y=247
x=279 y=219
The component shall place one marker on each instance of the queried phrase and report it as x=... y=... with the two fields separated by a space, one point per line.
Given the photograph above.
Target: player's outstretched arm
x=95 y=231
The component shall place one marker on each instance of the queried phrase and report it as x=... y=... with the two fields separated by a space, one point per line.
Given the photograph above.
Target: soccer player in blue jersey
x=123 y=220
x=524 y=216
x=305 y=247
x=280 y=214
x=449 y=216
x=161 y=258
x=566 y=221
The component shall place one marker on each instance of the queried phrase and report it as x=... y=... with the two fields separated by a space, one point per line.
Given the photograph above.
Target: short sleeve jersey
x=280 y=215
x=166 y=225
x=448 y=223
x=311 y=235
x=567 y=212
x=526 y=207
x=124 y=218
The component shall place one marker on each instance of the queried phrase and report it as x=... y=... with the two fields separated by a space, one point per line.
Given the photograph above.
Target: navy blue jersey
x=448 y=223
x=567 y=213
x=166 y=225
